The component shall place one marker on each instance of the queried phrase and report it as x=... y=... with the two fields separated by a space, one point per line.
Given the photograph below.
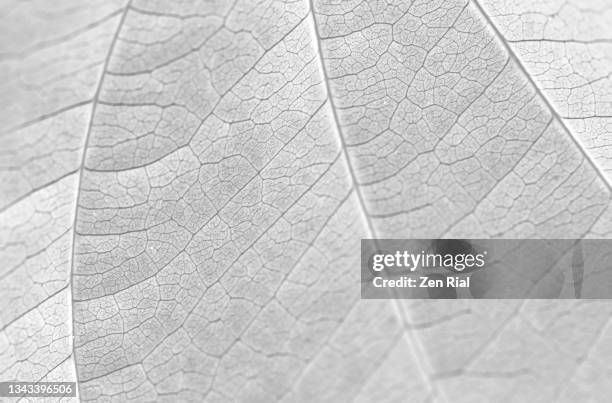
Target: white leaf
x=185 y=187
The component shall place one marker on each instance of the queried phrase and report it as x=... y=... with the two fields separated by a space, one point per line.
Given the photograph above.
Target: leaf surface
x=187 y=191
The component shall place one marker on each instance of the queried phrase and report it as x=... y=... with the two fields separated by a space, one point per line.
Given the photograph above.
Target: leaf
x=52 y=56
x=187 y=185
